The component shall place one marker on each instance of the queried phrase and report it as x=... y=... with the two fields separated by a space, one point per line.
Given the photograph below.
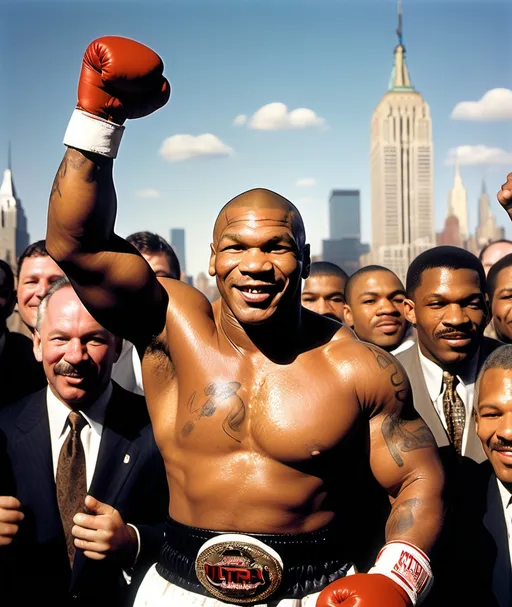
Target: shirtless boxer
x=266 y=414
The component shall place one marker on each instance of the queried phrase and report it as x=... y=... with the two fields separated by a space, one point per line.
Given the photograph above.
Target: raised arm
x=505 y=195
x=120 y=79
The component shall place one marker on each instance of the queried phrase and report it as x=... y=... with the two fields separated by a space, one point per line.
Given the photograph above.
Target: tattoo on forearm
x=76 y=162
x=61 y=172
x=403 y=435
x=217 y=394
x=401 y=518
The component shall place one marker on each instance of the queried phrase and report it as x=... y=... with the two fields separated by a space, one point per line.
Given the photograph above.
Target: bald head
x=260 y=205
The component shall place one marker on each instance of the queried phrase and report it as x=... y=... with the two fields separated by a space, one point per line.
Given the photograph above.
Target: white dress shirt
x=465 y=388
x=506 y=501
x=90 y=436
x=127 y=371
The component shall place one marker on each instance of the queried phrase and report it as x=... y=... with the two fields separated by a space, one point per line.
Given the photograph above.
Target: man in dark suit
x=20 y=373
x=79 y=462
x=483 y=530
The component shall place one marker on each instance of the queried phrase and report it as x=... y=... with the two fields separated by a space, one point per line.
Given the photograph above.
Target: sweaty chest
x=288 y=416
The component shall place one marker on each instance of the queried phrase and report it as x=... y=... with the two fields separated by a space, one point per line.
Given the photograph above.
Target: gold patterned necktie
x=454 y=411
x=71 y=480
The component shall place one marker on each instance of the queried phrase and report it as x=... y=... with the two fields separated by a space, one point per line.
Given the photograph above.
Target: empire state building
x=401 y=164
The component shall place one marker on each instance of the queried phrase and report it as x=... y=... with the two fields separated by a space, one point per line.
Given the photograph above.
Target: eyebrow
x=235 y=237
x=489 y=406
x=374 y=294
x=475 y=295
x=505 y=290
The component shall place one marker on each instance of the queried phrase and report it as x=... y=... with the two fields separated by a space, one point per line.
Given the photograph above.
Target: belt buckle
x=238 y=568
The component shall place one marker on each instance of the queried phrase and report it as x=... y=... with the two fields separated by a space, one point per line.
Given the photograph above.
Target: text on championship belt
x=238 y=568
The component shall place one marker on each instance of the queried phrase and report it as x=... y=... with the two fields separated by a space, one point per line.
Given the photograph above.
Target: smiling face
x=77 y=353
x=375 y=309
x=449 y=311
x=37 y=274
x=494 y=420
x=325 y=295
x=258 y=255
x=502 y=305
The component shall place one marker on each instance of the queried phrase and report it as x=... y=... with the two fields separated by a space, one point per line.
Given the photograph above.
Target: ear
x=38 y=351
x=306 y=261
x=213 y=255
x=409 y=311
x=347 y=315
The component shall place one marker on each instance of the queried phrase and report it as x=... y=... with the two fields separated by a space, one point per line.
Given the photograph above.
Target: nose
x=42 y=288
x=322 y=306
x=387 y=308
x=455 y=315
x=504 y=429
x=76 y=352
x=254 y=261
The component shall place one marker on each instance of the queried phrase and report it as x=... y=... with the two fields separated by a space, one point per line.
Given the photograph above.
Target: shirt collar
x=434 y=374
x=58 y=413
x=506 y=496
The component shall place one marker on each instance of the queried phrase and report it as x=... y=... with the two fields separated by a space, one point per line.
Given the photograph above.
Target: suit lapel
x=34 y=455
x=494 y=521
x=422 y=401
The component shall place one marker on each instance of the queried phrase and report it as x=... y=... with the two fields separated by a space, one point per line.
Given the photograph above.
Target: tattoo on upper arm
x=404 y=435
x=401 y=518
x=401 y=434
x=217 y=394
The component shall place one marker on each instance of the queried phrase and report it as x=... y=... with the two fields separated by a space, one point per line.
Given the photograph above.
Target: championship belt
x=238 y=568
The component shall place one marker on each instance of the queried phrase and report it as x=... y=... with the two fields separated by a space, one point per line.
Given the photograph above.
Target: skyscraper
x=178 y=244
x=14 y=238
x=458 y=204
x=401 y=161
x=486 y=230
x=344 y=214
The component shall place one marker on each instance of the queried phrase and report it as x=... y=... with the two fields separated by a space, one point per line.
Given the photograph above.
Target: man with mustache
x=83 y=492
x=447 y=304
x=275 y=423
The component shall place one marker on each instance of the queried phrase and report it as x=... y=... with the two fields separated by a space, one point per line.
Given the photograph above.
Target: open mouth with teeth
x=256 y=293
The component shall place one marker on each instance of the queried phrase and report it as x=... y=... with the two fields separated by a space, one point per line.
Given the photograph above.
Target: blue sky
x=227 y=58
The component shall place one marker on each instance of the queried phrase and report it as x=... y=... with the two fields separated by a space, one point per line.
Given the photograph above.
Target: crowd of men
x=309 y=438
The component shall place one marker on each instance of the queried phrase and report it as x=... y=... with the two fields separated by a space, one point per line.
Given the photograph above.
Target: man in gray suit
x=447 y=303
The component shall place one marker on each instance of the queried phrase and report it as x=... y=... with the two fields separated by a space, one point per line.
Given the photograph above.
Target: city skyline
x=170 y=175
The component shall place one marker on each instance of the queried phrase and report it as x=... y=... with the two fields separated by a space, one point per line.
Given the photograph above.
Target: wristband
x=406 y=565
x=89 y=132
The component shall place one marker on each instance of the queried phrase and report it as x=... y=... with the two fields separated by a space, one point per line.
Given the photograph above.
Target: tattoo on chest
x=217 y=394
x=401 y=434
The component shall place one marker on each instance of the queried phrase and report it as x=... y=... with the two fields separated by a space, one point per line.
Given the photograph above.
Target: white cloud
x=276 y=116
x=495 y=105
x=478 y=154
x=147 y=193
x=183 y=147
x=240 y=120
x=305 y=182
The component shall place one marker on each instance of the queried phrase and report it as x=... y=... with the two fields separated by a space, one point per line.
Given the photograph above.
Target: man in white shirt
x=447 y=304
x=83 y=484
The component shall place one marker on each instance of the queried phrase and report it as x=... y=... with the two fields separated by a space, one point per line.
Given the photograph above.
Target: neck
x=278 y=339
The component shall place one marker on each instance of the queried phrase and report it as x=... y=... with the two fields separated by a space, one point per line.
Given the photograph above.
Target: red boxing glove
x=120 y=79
x=363 y=590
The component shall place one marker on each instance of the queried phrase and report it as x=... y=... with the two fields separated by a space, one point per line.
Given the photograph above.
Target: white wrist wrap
x=93 y=134
x=408 y=566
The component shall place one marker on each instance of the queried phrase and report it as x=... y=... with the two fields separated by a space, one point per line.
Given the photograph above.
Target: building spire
x=9 y=157
x=400 y=79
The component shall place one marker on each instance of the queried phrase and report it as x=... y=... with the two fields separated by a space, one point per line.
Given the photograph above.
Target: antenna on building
x=399 y=28
x=9 y=157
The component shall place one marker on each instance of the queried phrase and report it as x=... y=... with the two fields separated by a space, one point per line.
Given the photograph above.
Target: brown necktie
x=454 y=411
x=71 y=479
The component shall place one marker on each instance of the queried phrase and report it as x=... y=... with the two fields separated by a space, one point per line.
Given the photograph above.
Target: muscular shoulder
x=377 y=377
